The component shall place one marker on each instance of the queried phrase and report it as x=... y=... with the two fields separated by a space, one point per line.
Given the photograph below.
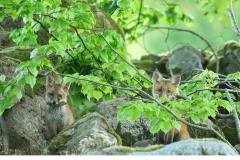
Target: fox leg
x=169 y=136
x=161 y=137
x=182 y=135
x=51 y=131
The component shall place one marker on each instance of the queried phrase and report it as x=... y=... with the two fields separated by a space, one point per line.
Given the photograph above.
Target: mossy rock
x=88 y=133
x=59 y=142
x=20 y=55
x=145 y=64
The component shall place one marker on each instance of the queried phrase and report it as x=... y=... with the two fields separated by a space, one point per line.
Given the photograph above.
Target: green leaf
x=155 y=126
x=150 y=110
x=176 y=125
x=5 y=104
x=134 y=116
x=97 y=94
x=33 y=69
x=16 y=92
x=30 y=79
x=203 y=115
x=195 y=118
x=165 y=126
x=2 y=78
x=33 y=53
x=123 y=3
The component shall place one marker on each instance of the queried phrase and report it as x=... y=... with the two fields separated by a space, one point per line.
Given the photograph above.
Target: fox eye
x=50 y=94
x=160 y=90
x=59 y=96
x=169 y=92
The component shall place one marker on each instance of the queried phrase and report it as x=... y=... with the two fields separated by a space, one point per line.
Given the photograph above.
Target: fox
x=58 y=113
x=168 y=88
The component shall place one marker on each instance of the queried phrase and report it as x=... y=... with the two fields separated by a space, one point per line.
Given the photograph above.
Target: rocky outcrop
x=187 y=147
x=129 y=132
x=237 y=147
x=228 y=127
x=22 y=125
x=25 y=126
x=229 y=57
x=181 y=60
x=185 y=59
x=92 y=132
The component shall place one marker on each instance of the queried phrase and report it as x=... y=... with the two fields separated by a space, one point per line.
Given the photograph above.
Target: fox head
x=165 y=87
x=56 y=94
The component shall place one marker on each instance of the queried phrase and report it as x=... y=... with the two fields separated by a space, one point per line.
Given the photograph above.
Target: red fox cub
x=58 y=113
x=168 y=88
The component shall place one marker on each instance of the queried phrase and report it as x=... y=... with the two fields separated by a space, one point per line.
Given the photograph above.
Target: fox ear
x=157 y=77
x=66 y=86
x=49 y=81
x=175 y=80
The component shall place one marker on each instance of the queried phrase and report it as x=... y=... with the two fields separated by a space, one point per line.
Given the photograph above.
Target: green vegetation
x=93 y=56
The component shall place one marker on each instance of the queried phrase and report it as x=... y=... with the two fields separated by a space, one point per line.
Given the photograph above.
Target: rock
x=228 y=127
x=89 y=133
x=22 y=125
x=4 y=144
x=200 y=133
x=186 y=147
x=143 y=143
x=8 y=25
x=152 y=62
x=237 y=147
x=130 y=133
x=25 y=126
x=185 y=59
x=229 y=57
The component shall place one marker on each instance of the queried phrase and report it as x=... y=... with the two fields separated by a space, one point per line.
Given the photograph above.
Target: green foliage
x=128 y=14
x=201 y=103
x=96 y=62
x=214 y=7
x=93 y=61
x=235 y=76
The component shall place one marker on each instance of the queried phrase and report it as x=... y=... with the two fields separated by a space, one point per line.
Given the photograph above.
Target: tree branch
x=124 y=59
x=52 y=36
x=17 y=48
x=194 y=33
x=213 y=89
x=233 y=21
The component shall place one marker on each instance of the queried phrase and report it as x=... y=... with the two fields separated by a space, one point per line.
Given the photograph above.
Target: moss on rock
x=139 y=149
x=58 y=142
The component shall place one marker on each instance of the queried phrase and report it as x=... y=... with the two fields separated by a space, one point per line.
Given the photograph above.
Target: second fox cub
x=58 y=113
x=168 y=88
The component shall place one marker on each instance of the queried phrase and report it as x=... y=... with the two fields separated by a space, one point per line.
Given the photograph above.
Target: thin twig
x=52 y=36
x=124 y=59
x=194 y=33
